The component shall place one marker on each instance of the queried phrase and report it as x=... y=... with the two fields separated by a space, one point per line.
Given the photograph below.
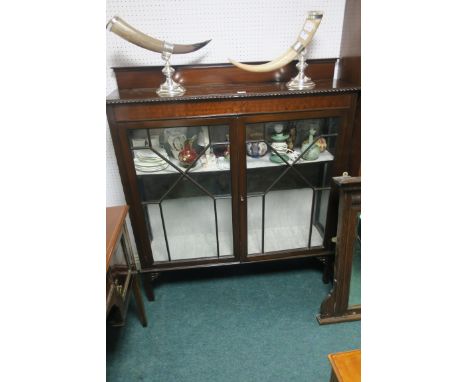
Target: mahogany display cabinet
x=236 y=170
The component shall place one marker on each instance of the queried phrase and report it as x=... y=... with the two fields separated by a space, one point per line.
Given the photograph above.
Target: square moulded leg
x=139 y=300
x=148 y=286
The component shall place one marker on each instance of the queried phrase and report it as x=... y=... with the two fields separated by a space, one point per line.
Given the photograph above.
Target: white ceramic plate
x=148 y=155
x=149 y=164
x=151 y=169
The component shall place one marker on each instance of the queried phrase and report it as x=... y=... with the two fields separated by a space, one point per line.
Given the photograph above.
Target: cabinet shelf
x=261 y=162
x=265 y=161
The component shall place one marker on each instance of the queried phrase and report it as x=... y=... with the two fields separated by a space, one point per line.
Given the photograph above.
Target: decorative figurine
x=210 y=158
x=298 y=48
x=292 y=138
x=322 y=144
x=312 y=151
x=203 y=138
x=227 y=151
x=169 y=88
x=279 y=145
x=176 y=142
x=224 y=162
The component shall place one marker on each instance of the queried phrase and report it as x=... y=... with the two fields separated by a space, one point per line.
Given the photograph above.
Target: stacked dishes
x=148 y=161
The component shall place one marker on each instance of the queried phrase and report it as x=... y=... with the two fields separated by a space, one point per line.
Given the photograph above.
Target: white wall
x=246 y=30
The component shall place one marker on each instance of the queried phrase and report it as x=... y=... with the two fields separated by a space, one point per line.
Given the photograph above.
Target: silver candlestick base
x=301 y=81
x=169 y=88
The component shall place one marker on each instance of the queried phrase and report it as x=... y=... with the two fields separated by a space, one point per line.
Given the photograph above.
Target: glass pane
x=254 y=224
x=288 y=180
x=287 y=219
x=355 y=283
x=320 y=218
x=224 y=210
x=184 y=182
x=190 y=226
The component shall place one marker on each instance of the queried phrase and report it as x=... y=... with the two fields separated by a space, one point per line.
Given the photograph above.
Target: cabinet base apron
x=153 y=273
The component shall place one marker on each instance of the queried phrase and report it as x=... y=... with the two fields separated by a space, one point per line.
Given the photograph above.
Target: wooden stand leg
x=327 y=274
x=139 y=300
x=148 y=286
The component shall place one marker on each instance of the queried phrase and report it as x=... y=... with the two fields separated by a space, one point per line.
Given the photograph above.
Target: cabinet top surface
x=347 y=365
x=228 y=91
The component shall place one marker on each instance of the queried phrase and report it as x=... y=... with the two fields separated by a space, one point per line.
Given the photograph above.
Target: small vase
x=256 y=149
x=187 y=155
x=312 y=154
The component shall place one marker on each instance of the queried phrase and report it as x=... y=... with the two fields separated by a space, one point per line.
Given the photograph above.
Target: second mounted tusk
x=305 y=37
x=279 y=62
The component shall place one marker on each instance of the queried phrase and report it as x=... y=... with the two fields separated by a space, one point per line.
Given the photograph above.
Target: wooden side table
x=121 y=272
x=346 y=366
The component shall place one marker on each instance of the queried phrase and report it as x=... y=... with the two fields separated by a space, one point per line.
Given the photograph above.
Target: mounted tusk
x=305 y=37
x=284 y=59
x=129 y=33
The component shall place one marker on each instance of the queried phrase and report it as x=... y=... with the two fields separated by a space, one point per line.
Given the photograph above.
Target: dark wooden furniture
x=255 y=210
x=346 y=366
x=338 y=306
x=349 y=69
x=121 y=274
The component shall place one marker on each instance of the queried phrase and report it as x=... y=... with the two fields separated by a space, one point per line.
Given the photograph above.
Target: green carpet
x=232 y=324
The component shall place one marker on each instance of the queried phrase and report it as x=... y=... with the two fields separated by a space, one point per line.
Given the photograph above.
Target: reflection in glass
x=355 y=282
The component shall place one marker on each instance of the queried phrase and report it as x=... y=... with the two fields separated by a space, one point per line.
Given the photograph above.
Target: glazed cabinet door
x=181 y=181
x=289 y=162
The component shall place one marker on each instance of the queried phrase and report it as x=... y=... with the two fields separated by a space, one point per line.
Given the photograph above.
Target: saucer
x=279 y=137
x=276 y=159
